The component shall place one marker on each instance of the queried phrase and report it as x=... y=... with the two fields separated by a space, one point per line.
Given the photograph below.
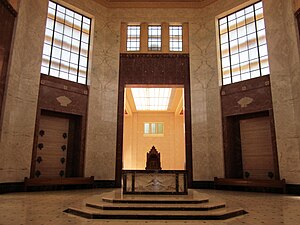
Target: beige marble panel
x=207 y=143
x=103 y=92
x=285 y=71
x=296 y=5
x=22 y=92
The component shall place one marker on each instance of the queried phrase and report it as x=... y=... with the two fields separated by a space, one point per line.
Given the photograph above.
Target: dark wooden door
x=256 y=143
x=52 y=147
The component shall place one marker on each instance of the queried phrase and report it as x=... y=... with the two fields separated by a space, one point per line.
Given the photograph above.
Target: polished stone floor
x=40 y=208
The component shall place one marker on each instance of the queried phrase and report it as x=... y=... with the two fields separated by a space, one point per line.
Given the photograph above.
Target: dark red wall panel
x=51 y=90
x=243 y=100
x=257 y=89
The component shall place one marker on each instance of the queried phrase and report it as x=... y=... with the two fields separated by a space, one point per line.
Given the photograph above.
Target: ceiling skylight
x=155 y=99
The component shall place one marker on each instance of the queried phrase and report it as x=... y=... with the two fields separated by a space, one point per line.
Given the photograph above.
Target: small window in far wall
x=154 y=38
x=133 y=38
x=153 y=128
x=175 y=33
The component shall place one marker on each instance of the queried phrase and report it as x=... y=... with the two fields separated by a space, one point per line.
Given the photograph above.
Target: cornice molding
x=155 y=3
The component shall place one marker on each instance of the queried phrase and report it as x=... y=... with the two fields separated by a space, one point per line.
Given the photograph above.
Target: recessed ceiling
x=155 y=3
x=151 y=99
x=154 y=99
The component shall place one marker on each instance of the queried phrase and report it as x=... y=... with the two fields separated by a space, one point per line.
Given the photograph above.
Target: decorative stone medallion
x=245 y=101
x=63 y=100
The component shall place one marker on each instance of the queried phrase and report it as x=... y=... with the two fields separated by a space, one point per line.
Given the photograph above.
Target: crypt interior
x=88 y=88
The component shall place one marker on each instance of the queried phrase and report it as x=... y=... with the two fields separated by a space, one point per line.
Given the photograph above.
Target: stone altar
x=154 y=182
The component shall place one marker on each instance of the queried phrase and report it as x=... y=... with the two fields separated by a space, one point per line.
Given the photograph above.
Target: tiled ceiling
x=155 y=3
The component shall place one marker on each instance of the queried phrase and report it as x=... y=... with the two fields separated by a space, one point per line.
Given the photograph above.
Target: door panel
x=256 y=142
x=52 y=147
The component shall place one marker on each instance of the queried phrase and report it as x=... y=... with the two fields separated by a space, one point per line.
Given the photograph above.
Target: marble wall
x=101 y=133
x=18 y=128
x=203 y=74
x=22 y=91
x=285 y=81
x=296 y=5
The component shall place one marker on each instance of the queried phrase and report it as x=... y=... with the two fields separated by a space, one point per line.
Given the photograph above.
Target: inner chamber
x=154 y=116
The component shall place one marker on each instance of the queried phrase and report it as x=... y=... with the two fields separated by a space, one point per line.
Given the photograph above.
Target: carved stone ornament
x=63 y=100
x=244 y=102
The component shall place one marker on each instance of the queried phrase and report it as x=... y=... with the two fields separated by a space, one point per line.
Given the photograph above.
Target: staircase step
x=193 y=197
x=158 y=201
x=115 y=205
x=217 y=214
x=173 y=207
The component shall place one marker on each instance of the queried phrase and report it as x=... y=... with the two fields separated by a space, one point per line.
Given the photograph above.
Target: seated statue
x=153 y=160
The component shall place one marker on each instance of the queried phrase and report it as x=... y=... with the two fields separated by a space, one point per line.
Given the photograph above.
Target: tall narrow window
x=133 y=38
x=243 y=45
x=66 y=45
x=175 y=38
x=154 y=38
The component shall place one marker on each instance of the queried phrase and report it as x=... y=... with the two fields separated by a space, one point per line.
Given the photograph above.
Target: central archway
x=154 y=69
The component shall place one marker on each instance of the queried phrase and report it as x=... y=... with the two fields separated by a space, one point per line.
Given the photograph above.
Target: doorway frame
x=157 y=70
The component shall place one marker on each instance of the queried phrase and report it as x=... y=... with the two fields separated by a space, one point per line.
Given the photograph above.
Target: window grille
x=243 y=45
x=175 y=33
x=133 y=38
x=66 y=44
x=154 y=38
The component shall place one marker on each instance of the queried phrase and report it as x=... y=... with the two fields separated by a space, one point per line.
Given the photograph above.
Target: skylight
x=154 y=99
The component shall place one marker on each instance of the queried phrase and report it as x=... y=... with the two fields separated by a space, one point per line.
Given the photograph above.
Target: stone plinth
x=154 y=182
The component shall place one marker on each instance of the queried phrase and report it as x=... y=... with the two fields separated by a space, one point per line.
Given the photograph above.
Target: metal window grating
x=175 y=33
x=66 y=45
x=154 y=38
x=133 y=38
x=243 y=45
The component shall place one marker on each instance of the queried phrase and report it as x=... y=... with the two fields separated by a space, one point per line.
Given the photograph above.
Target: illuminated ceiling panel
x=154 y=99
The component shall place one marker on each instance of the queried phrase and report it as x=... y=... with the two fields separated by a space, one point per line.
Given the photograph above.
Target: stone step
x=156 y=201
x=216 y=214
x=193 y=197
x=152 y=206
